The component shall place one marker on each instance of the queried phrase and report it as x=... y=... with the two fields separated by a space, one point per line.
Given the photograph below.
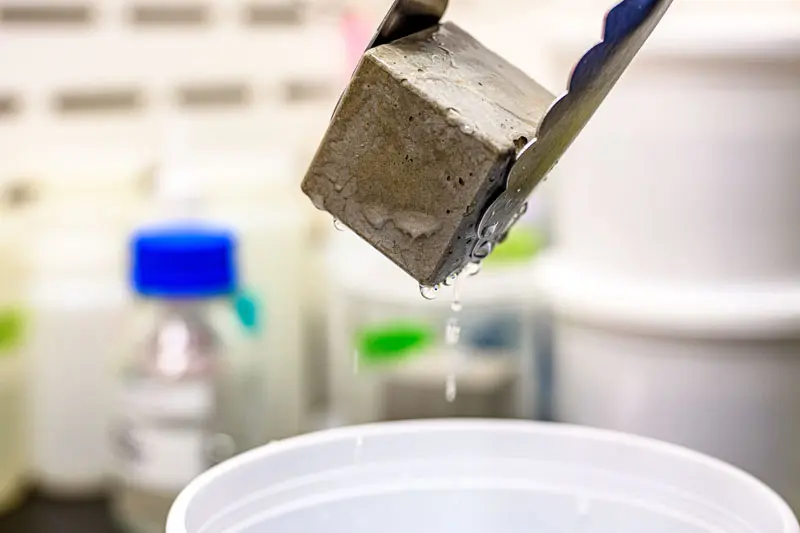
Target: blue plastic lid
x=184 y=262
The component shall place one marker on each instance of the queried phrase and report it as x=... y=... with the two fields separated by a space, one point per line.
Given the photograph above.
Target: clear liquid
x=472 y=269
x=452 y=336
x=429 y=293
x=451 y=388
x=176 y=369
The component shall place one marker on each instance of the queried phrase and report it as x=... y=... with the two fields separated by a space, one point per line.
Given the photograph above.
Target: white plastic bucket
x=712 y=367
x=476 y=476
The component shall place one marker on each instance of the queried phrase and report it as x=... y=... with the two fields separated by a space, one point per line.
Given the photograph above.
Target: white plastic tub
x=713 y=367
x=476 y=477
x=78 y=308
x=675 y=281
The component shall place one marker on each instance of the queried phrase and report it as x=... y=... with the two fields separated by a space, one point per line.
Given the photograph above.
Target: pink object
x=356 y=35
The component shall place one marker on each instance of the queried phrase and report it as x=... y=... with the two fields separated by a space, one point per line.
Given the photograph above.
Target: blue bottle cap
x=184 y=262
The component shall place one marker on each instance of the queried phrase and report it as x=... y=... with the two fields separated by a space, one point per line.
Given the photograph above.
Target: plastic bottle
x=231 y=192
x=171 y=421
x=72 y=211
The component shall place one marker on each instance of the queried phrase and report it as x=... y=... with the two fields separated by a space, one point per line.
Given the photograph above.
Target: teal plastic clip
x=249 y=311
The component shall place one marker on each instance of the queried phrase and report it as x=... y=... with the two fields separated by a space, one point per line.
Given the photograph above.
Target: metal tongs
x=431 y=257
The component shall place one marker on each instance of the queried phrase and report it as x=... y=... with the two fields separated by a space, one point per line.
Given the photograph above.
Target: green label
x=393 y=342
x=522 y=244
x=12 y=330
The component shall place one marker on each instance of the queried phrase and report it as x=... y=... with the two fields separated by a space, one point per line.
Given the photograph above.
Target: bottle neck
x=184 y=343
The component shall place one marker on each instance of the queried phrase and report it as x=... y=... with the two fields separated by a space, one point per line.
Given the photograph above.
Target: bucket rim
x=176 y=521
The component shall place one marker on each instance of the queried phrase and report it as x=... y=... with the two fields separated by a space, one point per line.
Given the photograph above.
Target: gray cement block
x=420 y=145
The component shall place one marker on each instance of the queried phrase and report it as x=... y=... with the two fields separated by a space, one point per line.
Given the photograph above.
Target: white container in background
x=676 y=277
x=688 y=172
x=473 y=477
x=78 y=304
x=372 y=298
x=714 y=368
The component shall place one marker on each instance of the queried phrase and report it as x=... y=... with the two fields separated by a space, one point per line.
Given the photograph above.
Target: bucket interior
x=476 y=477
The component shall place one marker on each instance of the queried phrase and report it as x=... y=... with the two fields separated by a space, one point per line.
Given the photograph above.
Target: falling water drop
x=356 y=362
x=429 y=293
x=456 y=306
x=472 y=269
x=452 y=333
x=451 y=388
x=452 y=336
x=338 y=225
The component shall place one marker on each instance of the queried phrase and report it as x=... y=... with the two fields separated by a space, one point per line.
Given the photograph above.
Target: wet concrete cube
x=420 y=145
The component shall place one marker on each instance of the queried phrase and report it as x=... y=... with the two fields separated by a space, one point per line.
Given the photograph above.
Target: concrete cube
x=420 y=146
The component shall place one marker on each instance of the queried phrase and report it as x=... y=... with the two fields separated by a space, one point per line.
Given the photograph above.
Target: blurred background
x=653 y=286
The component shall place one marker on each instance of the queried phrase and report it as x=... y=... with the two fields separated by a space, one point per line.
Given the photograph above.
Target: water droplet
x=466 y=129
x=452 y=333
x=318 y=200
x=338 y=225
x=523 y=209
x=416 y=225
x=472 y=269
x=489 y=231
x=429 y=293
x=456 y=306
x=377 y=216
x=451 y=388
x=451 y=280
x=483 y=251
x=453 y=116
